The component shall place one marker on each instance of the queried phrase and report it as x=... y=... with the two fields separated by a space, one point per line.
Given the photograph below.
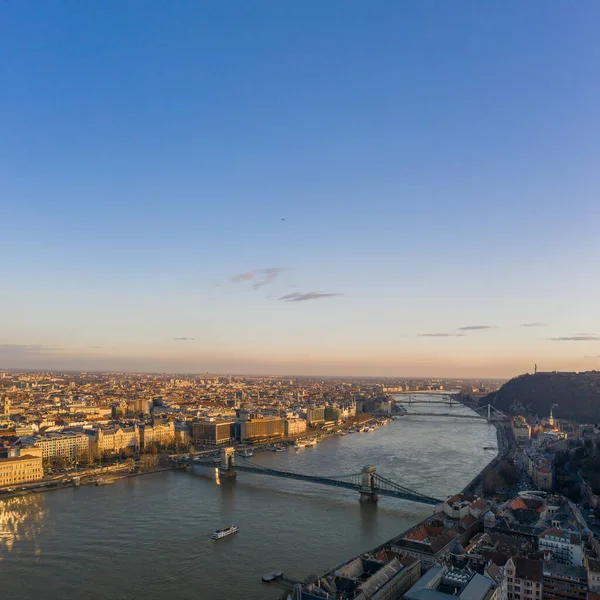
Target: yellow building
x=256 y=430
x=162 y=434
x=183 y=436
x=20 y=469
x=114 y=440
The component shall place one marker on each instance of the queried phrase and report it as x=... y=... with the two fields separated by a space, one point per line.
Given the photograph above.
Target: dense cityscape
x=97 y=422
x=523 y=529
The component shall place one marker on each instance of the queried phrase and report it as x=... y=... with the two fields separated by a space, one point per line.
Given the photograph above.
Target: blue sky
x=400 y=168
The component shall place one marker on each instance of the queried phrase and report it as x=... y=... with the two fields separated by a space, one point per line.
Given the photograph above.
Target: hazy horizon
x=388 y=189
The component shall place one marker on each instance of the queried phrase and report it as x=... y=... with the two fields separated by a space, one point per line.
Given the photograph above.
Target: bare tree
x=148 y=461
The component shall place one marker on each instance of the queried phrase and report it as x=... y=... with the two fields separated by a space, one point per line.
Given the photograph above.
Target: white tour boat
x=221 y=533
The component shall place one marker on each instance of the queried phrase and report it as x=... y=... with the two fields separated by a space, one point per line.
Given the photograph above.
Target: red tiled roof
x=480 y=503
x=467 y=521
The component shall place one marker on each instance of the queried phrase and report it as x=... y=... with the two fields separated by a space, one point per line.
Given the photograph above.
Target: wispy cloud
x=184 y=339
x=262 y=276
x=27 y=349
x=442 y=335
x=533 y=325
x=299 y=297
x=96 y=347
x=476 y=327
x=267 y=276
x=243 y=277
x=593 y=357
x=587 y=337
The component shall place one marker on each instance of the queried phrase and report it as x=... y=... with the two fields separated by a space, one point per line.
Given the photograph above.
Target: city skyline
x=399 y=190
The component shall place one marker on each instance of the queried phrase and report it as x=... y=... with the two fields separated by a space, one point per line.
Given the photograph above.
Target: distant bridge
x=400 y=392
x=367 y=483
x=488 y=412
x=453 y=415
x=444 y=402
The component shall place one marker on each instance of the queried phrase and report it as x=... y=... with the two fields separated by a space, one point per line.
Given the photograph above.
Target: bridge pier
x=367 y=490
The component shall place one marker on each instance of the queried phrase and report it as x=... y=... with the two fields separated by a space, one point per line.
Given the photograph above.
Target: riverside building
x=20 y=469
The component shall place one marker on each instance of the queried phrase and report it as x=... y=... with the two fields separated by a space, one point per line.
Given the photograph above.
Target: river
x=146 y=538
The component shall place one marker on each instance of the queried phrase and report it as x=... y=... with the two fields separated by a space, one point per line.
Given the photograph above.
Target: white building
x=68 y=445
x=295 y=427
x=561 y=546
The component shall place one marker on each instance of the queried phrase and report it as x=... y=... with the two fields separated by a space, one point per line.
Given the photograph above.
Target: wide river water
x=147 y=538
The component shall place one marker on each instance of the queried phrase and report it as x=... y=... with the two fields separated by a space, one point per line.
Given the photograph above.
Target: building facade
x=295 y=427
x=564 y=582
x=539 y=468
x=315 y=415
x=561 y=546
x=524 y=578
x=161 y=434
x=67 y=445
x=115 y=439
x=211 y=433
x=593 y=573
x=262 y=430
x=20 y=469
x=521 y=430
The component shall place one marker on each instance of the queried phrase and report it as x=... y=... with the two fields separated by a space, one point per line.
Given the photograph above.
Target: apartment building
x=540 y=470
x=564 y=582
x=524 y=578
x=561 y=546
x=67 y=445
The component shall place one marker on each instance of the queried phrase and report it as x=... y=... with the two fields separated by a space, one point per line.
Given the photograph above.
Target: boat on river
x=221 y=533
x=299 y=444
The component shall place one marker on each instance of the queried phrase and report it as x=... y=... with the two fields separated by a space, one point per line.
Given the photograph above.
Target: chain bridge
x=368 y=483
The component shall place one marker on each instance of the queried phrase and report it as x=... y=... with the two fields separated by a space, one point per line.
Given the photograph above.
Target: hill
x=573 y=396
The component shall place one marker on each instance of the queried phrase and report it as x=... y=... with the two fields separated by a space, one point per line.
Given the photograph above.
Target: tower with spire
x=4 y=408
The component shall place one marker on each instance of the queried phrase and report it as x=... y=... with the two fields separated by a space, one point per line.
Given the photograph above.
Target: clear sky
x=360 y=188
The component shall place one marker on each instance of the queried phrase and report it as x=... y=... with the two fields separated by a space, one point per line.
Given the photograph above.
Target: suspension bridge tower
x=227 y=462
x=368 y=487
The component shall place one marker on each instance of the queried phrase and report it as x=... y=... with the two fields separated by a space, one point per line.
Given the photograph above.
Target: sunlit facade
x=20 y=469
